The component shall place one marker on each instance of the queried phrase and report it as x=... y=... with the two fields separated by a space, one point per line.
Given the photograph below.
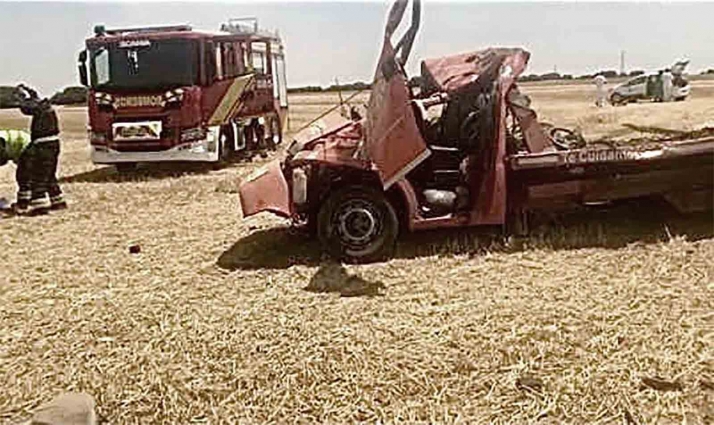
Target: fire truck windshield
x=144 y=64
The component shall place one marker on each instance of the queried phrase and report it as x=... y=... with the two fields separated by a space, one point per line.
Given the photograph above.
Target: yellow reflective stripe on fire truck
x=230 y=100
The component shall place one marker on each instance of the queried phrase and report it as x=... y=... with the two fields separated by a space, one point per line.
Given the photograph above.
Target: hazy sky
x=39 y=41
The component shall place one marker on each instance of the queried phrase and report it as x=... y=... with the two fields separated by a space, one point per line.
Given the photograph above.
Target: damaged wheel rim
x=357 y=223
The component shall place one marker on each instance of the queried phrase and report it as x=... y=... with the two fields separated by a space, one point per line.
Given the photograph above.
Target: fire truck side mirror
x=82 y=65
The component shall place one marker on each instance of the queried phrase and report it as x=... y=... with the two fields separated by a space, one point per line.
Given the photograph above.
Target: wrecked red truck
x=458 y=146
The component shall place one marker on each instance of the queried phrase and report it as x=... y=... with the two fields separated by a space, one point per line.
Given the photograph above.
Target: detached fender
x=265 y=190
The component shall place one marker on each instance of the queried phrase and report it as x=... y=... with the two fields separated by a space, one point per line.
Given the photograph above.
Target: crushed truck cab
x=458 y=146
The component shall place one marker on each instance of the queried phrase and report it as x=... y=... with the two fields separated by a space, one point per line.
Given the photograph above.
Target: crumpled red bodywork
x=450 y=74
x=393 y=141
x=266 y=190
x=337 y=148
x=388 y=141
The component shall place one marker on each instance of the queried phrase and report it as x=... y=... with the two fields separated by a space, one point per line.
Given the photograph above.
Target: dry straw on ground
x=212 y=323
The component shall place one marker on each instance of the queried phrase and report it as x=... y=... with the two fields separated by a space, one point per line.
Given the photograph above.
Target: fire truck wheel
x=225 y=143
x=125 y=167
x=357 y=224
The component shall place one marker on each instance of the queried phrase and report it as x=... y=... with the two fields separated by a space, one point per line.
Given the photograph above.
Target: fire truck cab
x=172 y=93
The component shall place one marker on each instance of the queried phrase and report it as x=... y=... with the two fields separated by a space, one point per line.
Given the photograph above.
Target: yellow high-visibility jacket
x=15 y=143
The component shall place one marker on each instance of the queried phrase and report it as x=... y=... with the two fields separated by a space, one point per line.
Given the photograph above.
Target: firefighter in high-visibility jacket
x=35 y=155
x=13 y=146
x=45 y=150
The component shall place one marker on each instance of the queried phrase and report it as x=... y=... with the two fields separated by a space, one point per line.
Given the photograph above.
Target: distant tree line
x=78 y=95
x=550 y=76
x=68 y=96
x=554 y=76
x=6 y=97
x=359 y=85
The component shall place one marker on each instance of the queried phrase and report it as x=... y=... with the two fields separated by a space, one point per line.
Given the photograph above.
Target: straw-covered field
x=224 y=320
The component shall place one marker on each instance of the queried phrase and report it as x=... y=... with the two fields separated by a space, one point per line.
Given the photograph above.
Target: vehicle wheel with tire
x=617 y=99
x=126 y=167
x=357 y=224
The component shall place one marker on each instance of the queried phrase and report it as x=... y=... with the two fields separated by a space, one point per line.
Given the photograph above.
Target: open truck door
x=392 y=139
x=679 y=67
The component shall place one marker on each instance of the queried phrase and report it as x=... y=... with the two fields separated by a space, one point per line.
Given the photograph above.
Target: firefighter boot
x=39 y=206
x=20 y=208
x=57 y=203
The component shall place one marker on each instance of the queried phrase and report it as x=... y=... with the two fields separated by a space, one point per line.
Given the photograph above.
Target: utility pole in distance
x=622 y=62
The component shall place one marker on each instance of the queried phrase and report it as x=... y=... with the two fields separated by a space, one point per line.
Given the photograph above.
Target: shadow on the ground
x=150 y=171
x=639 y=220
x=274 y=248
x=610 y=228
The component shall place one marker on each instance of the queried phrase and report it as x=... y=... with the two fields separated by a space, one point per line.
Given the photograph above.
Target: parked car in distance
x=646 y=87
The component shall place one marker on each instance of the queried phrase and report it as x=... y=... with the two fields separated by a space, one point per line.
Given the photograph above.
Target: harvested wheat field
x=221 y=320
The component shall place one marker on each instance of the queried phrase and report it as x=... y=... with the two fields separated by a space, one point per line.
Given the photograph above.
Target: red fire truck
x=173 y=93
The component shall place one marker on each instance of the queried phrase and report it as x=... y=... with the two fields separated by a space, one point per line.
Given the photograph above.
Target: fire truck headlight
x=104 y=99
x=174 y=96
x=97 y=138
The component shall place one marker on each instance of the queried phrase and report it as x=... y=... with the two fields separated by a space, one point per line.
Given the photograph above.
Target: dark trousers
x=254 y=135
x=37 y=174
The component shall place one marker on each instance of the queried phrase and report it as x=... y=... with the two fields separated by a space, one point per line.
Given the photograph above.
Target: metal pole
x=622 y=62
